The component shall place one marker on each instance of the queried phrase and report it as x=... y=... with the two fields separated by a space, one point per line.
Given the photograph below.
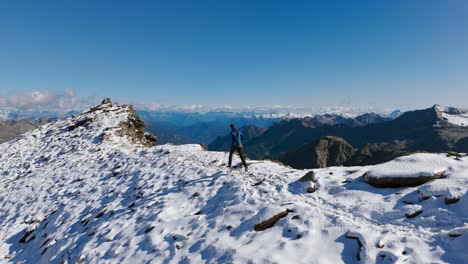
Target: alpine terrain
x=301 y=144
x=93 y=188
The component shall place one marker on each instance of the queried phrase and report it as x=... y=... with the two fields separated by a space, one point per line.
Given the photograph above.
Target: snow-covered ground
x=459 y=120
x=74 y=192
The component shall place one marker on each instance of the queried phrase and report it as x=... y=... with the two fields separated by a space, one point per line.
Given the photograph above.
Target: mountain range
x=182 y=127
x=366 y=139
x=186 y=127
x=436 y=129
x=190 y=127
x=287 y=125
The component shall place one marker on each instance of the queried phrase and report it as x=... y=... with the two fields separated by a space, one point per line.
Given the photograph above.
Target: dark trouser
x=240 y=151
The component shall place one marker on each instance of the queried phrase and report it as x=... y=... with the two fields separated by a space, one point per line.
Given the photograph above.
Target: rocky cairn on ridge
x=133 y=127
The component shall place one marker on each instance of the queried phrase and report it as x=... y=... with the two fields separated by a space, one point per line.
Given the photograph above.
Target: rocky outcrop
x=326 y=152
x=134 y=128
x=333 y=151
x=106 y=101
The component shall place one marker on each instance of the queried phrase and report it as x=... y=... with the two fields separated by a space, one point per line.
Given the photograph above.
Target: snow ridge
x=79 y=191
x=452 y=115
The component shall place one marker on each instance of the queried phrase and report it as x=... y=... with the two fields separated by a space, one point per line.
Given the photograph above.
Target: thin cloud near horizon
x=41 y=100
x=68 y=100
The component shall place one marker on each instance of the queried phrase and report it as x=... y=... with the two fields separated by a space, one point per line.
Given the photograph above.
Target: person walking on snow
x=236 y=145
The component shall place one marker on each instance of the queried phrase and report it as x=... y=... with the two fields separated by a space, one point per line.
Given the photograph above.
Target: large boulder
x=397 y=182
x=412 y=170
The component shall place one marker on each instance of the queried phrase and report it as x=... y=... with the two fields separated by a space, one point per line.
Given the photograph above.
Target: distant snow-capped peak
x=452 y=115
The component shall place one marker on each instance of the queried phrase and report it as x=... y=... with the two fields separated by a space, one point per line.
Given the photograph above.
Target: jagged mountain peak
x=371 y=118
x=436 y=116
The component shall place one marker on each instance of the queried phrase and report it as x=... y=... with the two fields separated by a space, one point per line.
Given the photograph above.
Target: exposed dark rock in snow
x=150 y=137
x=455 y=234
x=79 y=123
x=25 y=237
x=149 y=229
x=358 y=238
x=413 y=215
x=380 y=244
x=101 y=213
x=309 y=176
x=271 y=221
x=204 y=147
x=106 y=101
x=452 y=200
x=257 y=183
x=134 y=128
x=454 y=154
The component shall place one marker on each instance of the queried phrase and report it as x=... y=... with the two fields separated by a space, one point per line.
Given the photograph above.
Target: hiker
x=236 y=145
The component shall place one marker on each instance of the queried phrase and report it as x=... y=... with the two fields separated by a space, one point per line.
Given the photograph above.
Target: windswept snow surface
x=459 y=120
x=78 y=197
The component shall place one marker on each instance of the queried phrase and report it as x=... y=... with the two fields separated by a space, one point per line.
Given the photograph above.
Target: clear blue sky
x=389 y=54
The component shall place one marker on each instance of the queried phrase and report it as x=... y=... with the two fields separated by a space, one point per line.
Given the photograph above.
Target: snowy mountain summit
x=452 y=115
x=93 y=189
